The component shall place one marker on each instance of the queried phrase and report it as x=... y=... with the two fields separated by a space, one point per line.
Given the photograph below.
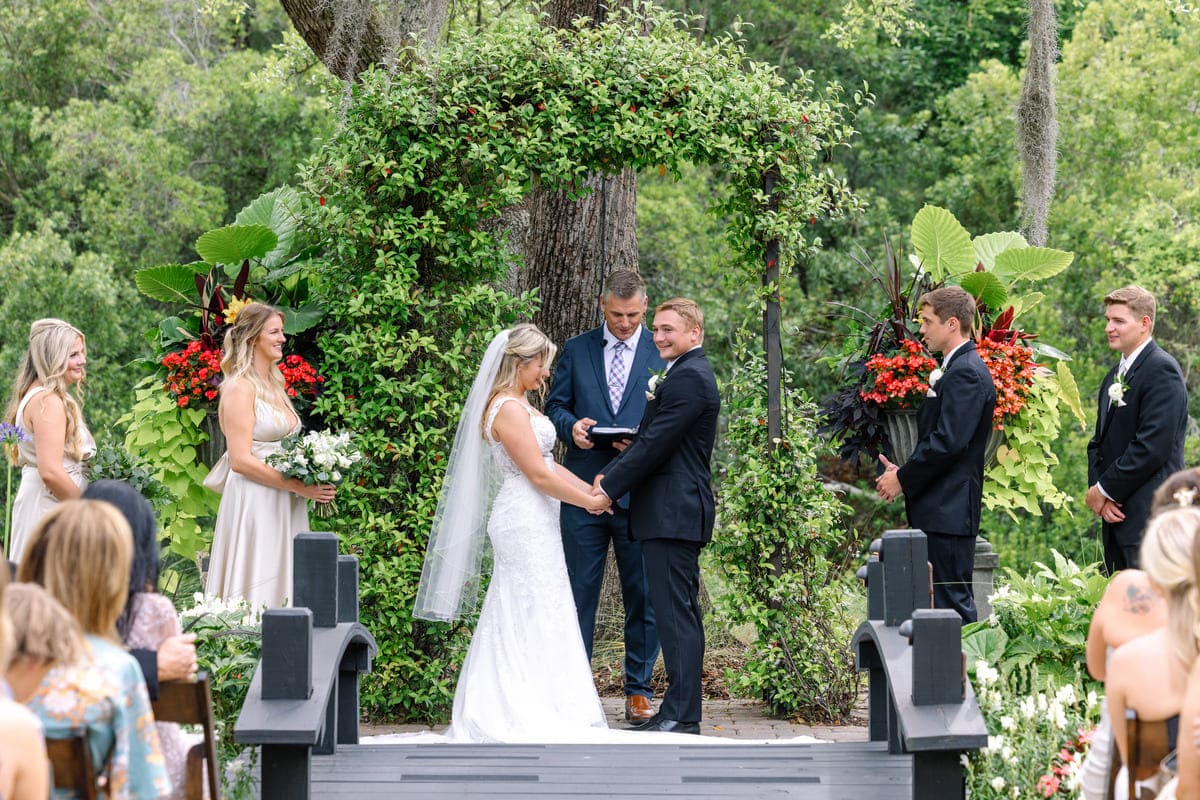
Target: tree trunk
x=1037 y=121
x=351 y=35
x=572 y=245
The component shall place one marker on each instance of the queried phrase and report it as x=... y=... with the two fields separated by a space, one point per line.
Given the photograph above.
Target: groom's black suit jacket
x=1139 y=444
x=943 y=478
x=666 y=469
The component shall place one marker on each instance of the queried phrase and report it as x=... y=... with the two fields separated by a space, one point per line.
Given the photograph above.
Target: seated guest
x=1130 y=608
x=1149 y=674
x=149 y=619
x=80 y=552
x=26 y=624
x=171 y=656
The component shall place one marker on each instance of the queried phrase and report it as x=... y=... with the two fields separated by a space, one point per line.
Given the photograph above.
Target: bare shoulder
x=1130 y=591
x=237 y=392
x=18 y=721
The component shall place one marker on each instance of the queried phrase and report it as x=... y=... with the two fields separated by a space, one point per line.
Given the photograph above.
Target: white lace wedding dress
x=526 y=677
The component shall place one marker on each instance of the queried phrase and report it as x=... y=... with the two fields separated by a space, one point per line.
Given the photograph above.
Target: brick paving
x=736 y=719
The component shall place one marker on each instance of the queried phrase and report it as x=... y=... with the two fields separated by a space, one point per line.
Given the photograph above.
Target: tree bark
x=1037 y=121
x=351 y=35
x=572 y=245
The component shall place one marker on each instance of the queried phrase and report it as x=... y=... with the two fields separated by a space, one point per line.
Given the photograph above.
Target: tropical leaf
x=233 y=244
x=988 y=245
x=1049 y=351
x=297 y=320
x=1024 y=303
x=280 y=211
x=1031 y=264
x=170 y=283
x=942 y=243
x=1068 y=390
x=986 y=288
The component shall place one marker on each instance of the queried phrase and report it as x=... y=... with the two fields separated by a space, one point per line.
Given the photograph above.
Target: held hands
x=599 y=503
x=579 y=433
x=177 y=657
x=888 y=484
x=603 y=500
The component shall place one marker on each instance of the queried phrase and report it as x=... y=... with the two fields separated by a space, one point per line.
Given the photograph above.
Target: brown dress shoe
x=638 y=708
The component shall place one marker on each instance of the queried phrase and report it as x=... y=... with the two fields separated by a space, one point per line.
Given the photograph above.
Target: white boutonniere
x=1116 y=393
x=934 y=377
x=656 y=379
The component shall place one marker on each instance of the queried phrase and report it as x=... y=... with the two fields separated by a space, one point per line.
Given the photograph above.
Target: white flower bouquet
x=318 y=457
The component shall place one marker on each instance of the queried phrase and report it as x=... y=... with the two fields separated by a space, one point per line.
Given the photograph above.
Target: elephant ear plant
x=997 y=269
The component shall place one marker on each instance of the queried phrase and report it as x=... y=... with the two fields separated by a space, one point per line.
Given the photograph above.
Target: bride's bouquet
x=318 y=457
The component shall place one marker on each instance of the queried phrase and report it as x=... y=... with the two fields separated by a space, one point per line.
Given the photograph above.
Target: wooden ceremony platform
x=302 y=711
x=833 y=771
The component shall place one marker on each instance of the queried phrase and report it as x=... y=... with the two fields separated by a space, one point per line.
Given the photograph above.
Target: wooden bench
x=71 y=764
x=303 y=698
x=190 y=703
x=919 y=700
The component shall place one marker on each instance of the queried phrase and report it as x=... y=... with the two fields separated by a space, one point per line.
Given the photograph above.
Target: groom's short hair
x=688 y=310
x=1139 y=301
x=624 y=284
x=952 y=301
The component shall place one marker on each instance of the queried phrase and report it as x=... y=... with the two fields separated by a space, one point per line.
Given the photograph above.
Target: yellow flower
x=231 y=310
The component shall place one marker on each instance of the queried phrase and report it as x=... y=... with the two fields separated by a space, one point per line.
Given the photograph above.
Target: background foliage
x=407 y=192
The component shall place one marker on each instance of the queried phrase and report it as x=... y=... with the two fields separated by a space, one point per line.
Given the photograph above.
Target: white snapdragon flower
x=1007 y=723
x=998 y=783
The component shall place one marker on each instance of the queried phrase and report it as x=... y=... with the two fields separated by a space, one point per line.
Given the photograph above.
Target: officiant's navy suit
x=1137 y=446
x=943 y=478
x=667 y=475
x=580 y=389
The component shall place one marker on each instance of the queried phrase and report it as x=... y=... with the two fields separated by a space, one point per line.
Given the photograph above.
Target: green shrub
x=405 y=201
x=777 y=528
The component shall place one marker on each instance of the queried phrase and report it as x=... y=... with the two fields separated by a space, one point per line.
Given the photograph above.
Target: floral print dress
x=105 y=694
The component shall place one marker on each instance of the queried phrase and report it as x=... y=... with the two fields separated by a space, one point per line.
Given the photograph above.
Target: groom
x=671 y=509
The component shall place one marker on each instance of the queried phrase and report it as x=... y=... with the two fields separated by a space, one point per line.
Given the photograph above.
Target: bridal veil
x=450 y=579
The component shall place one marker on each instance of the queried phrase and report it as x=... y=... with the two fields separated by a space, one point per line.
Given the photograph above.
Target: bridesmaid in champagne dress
x=260 y=510
x=53 y=458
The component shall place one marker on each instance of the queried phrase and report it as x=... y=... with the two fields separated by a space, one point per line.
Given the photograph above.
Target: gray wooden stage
x=833 y=771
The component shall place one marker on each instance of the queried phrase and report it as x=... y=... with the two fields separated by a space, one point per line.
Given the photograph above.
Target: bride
x=526 y=677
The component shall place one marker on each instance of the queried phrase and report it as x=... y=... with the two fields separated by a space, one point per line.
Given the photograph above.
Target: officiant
x=601 y=382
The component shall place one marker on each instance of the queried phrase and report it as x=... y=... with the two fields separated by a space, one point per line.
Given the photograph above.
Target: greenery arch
x=409 y=193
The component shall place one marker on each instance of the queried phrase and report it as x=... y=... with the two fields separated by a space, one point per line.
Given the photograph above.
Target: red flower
x=901 y=380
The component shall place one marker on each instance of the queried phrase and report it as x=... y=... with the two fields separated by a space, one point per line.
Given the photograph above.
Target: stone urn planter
x=901 y=427
x=211 y=450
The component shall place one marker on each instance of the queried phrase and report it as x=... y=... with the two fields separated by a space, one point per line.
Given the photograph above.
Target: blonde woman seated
x=43 y=634
x=1150 y=674
x=1130 y=608
x=80 y=553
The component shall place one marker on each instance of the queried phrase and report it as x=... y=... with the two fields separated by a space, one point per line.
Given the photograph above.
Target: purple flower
x=12 y=435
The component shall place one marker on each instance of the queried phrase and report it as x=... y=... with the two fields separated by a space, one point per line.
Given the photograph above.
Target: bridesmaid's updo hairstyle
x=45 y=361
x=525 y=344
x=1166 y=557
x=240 y=339
x=80 y=553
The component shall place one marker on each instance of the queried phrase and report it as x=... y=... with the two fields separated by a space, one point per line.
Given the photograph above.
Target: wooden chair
x=1147 y=743
x=190 y=703
x=71 y=761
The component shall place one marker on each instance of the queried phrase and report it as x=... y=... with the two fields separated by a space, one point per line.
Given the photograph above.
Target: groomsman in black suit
x=1141 y=421
x=601 y=381
x=942 y=480
x=671 y=511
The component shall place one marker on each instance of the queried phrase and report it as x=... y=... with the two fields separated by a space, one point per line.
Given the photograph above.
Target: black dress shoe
x=660 y=724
